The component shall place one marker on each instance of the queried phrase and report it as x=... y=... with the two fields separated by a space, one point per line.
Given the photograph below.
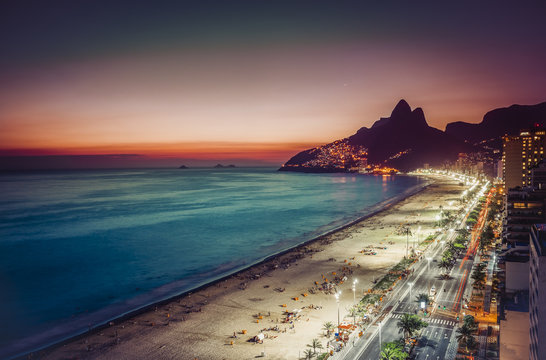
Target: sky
x=252 y=81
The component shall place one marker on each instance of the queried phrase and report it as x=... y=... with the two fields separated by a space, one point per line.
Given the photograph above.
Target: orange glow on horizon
x=274 y=152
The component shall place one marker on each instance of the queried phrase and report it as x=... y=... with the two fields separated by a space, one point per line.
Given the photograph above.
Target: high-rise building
x=537 y=292
x=523 y=208
x=538 y=176
x=520 y=154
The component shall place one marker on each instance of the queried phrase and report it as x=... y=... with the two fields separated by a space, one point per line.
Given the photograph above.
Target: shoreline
x=296 y=249
x=215 y=321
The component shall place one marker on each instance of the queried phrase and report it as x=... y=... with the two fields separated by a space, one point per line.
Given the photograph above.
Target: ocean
x=78 y=248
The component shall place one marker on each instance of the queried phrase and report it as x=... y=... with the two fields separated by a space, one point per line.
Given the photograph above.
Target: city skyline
x=254 y=81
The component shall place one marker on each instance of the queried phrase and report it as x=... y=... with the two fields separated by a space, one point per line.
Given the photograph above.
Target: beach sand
x=201 y=325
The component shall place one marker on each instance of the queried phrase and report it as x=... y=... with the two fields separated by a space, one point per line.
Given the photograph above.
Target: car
x=494 y=300
x=432 y=291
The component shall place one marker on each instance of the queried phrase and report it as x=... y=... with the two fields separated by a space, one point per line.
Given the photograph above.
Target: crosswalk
x=434 y=321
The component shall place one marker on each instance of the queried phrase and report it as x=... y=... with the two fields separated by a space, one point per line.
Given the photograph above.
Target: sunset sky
x=255 y=80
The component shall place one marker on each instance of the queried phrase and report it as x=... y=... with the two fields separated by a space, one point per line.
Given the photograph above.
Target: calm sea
x=78 y=248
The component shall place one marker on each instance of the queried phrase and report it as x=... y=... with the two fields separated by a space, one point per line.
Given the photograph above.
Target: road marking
x=460 y=290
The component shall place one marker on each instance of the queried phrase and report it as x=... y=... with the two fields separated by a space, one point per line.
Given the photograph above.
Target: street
x=438 y=339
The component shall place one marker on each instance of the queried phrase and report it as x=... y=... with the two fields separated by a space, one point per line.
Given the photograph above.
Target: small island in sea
x=220 y=166
x=183 y=167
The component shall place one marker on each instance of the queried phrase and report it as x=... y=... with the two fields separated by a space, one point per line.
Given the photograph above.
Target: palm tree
x=463 y=232
x=405 y=230
x=393 y=351
x=469 y=321
x=478 y=275
x=423 y=297
x=315 y=344
x=328 y=327
x=409 y=324
x=448 y=255
x=482 y=246
x=353 y=312
x=308 y=354
x=446 y=265
x=465 y=336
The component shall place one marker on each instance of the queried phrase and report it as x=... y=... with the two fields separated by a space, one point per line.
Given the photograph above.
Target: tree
x=423 y=297
x=328 y=327
x=463 y=232
x=409 y=324
x=448 y=256
x=393 y=351
x=469 y=321
x=315 y=344
x=478 y=275
x=482 y=246
x=405 y=230
x=308 y=354
x=353 y=312
x=445 y=264
x=465 y=336
x=447 y=217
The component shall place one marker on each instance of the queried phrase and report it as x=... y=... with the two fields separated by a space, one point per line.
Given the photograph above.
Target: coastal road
x=438 y=339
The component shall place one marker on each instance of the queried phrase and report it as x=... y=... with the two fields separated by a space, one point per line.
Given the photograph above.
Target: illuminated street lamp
x=337 y=295
x=355 y=281
x=428 y=270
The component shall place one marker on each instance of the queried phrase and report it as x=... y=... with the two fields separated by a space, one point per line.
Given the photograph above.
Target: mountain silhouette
x=403 y=141
x=499 y=122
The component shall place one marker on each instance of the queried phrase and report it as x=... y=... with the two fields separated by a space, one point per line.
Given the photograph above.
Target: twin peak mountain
x=403 y=141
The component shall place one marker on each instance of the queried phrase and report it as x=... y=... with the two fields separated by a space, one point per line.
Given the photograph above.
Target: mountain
x=499 y=122
x=403 y=141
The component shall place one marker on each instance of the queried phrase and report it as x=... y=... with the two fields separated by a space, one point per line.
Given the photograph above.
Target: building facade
x=520 y=154
x=523 y=208
x=537 y=292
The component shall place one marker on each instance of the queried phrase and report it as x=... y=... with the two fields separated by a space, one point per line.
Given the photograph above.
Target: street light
x=337 y=301
x=379 y=323
x=354 y=291
x=428 y=270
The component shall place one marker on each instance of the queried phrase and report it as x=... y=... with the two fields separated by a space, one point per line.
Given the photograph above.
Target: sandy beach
x=202 y=325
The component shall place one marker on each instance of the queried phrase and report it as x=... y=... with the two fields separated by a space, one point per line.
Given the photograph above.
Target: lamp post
x=355 y=281
x=337 y=301
x=379 y=323
x=428 y=270
x=418 y=233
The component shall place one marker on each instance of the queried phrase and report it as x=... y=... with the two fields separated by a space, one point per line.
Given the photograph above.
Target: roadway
x=437 y=340
x=436 y=337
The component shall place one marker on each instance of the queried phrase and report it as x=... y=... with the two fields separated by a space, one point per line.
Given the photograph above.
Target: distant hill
x=403 y=141
x=499 y=122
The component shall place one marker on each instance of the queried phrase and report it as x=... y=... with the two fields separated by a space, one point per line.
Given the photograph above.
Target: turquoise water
x=80 y=247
